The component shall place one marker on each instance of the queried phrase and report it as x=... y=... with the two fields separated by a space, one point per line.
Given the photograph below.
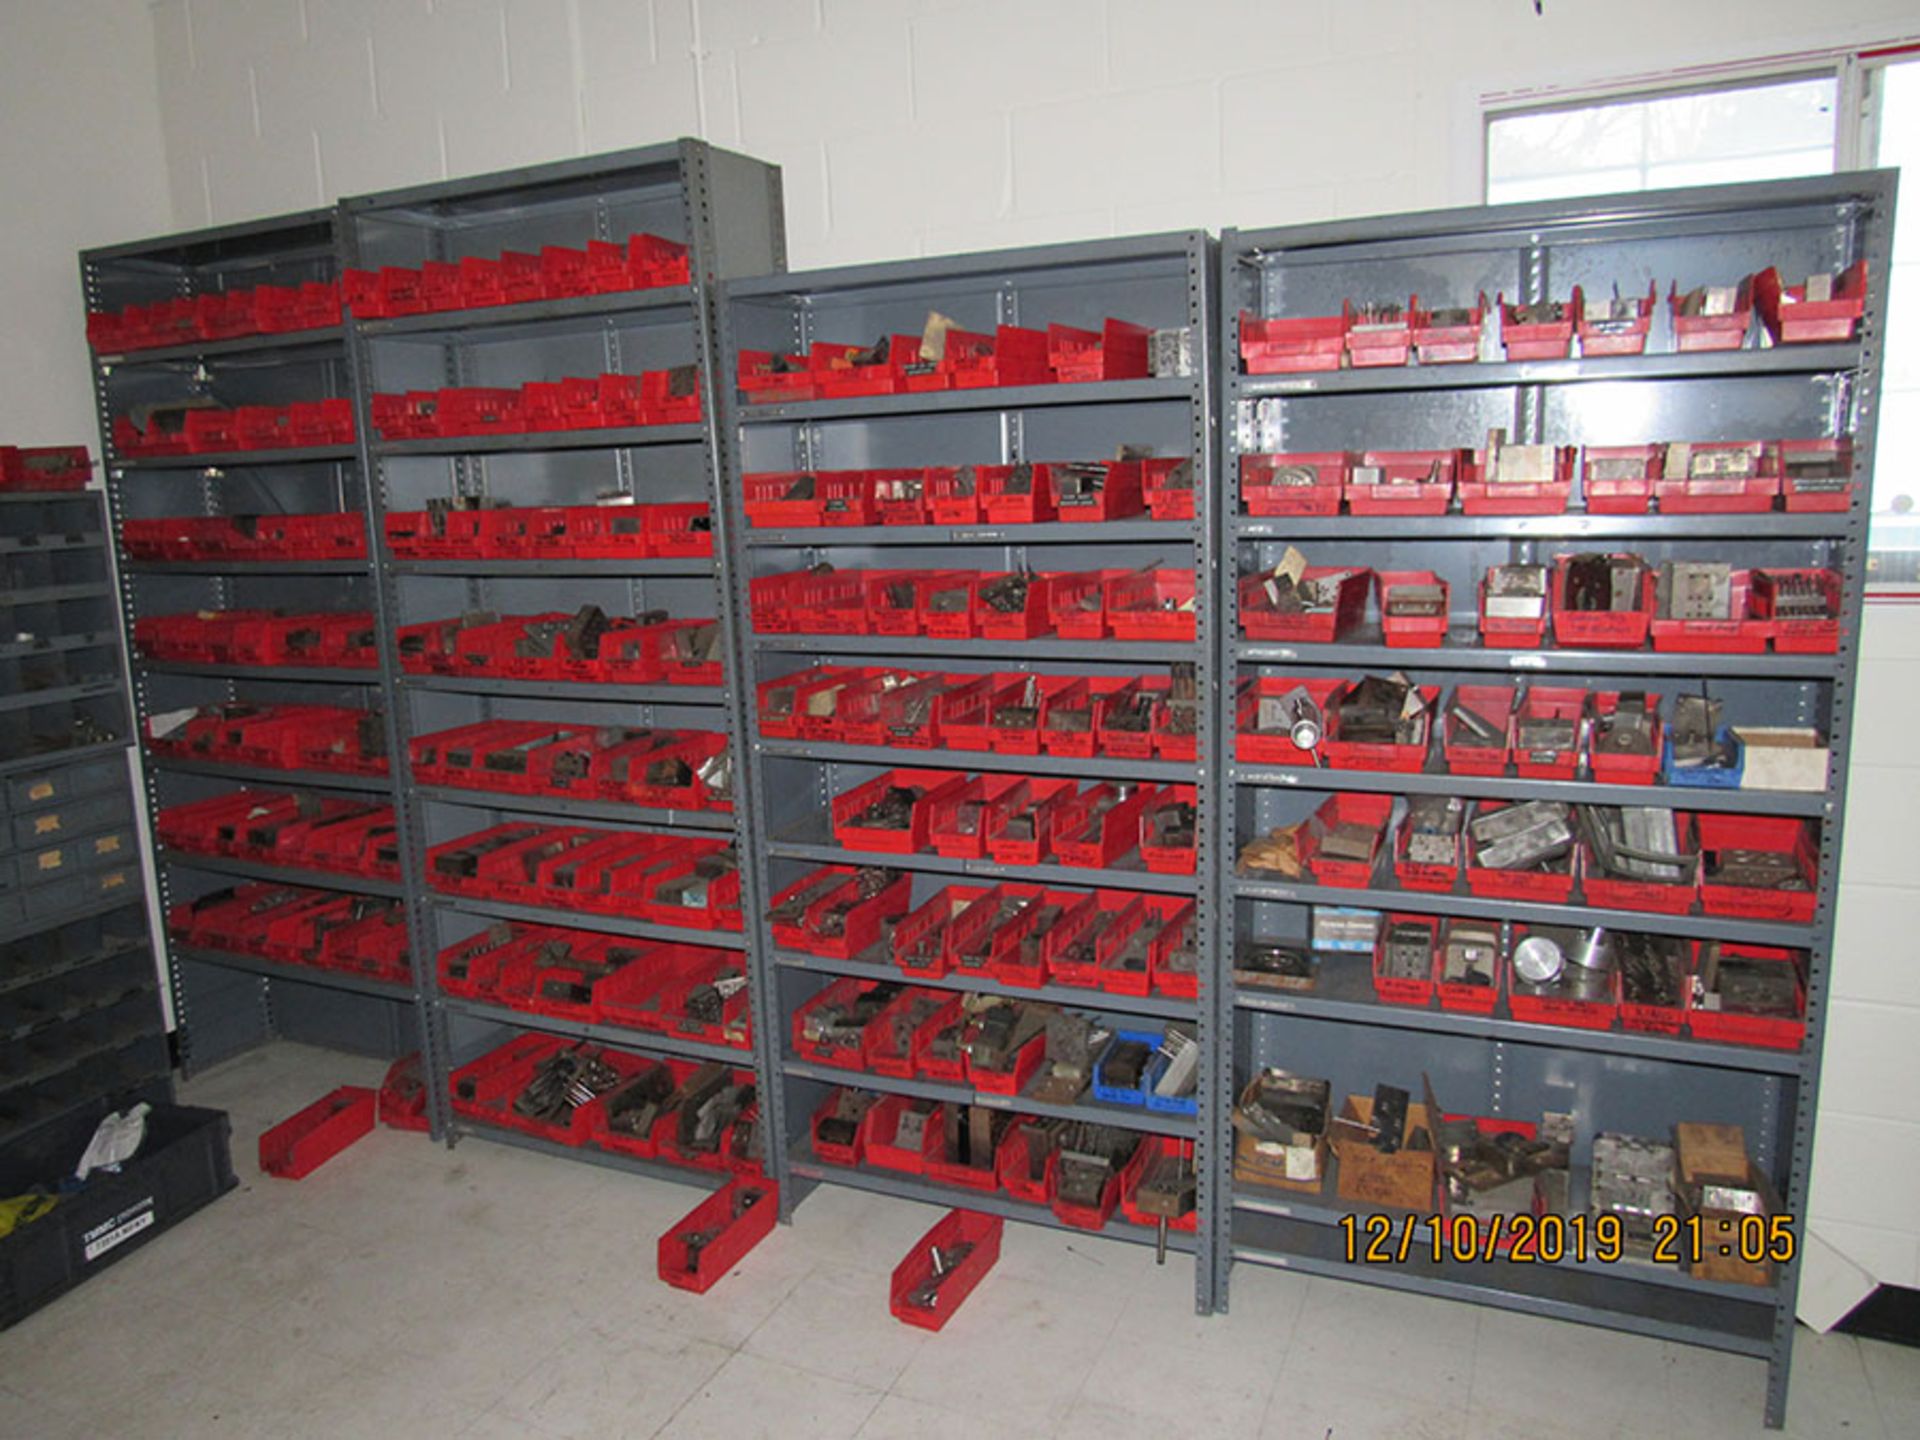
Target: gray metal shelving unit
x=225 y=1003
x=80 y=1025
x=1162 y=281
x=1493 y=1064
x=727 y=210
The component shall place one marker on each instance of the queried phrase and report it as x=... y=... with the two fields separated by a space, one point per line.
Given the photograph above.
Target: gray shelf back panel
x=1536 y=252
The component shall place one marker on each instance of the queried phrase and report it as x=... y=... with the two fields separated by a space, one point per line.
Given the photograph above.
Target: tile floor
x=486 y=1292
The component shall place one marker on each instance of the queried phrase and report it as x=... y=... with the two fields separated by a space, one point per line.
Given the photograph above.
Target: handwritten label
x=1526 y=662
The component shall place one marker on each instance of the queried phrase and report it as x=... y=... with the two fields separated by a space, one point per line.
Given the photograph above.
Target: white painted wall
x=915 y=127
x=80 y=164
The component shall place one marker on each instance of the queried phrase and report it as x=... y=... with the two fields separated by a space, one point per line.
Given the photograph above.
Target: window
x=1703 y=137
x=1760 y=128
x=1894 y=113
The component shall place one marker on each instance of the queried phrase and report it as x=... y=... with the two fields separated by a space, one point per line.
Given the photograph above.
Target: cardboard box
x=1710 y=1156
x=1368 y=1178
x=1782 y=757
x=1301 y=1168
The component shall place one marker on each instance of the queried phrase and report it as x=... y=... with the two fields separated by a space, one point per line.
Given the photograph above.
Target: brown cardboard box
x=1782 y=757
x=1257 y=1162
x=1403 y=1179
x=1702 y=1156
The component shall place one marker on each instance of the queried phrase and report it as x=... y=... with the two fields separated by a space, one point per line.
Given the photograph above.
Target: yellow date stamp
x=1676 y=1240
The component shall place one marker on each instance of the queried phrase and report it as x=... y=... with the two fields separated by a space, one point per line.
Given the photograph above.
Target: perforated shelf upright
x=207 y=347
x=1492 y=1063
x=844 y=395
x=702 y=214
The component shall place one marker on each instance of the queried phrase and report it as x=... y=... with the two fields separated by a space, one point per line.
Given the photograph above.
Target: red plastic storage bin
x=1422 y=875
x=1446 y=338
x=1559 y=1010
x=1553 y=886
x=1711 y=332
x=880 y=1128
x=848 y=807
x=1747 y=490
x=1817 y=475
x=1302 y=483
x=1550 y=702
x=1152 y=605
x=1121 y=491
x=716 y=1234
x=1261 y=621
x=1772 y=1032
x=1275 y=347
x=1117 y=351
x=1277 y=748
x=981 y=1232
x=1626 y=335
x=1376 y=342
x=1466 y=754
x=1619 y=479
x=44 y=467
x=1485 y=494
x=1624 y=769
x=1404 y=989
x=1411 y=631
x=1349 y=755
x=301 y=1144
x=1077 y=604
x=1539 y=339
x=1168 y=488
x=1601 y=629
x=1087 y=837
x=1341 y=808
x=1776 y=834
x=1799 y=634
x=1793 y=319
x=1402 y=482
x=1740 y=634
x=1663 y=898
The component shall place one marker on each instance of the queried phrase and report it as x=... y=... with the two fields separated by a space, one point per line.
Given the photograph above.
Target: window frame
x=1856 y=71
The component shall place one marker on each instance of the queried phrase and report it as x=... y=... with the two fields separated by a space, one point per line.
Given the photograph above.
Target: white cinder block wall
x=912 y=127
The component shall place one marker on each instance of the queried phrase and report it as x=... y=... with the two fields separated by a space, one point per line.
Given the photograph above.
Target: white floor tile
x=751 y=1398
x=835 y=1322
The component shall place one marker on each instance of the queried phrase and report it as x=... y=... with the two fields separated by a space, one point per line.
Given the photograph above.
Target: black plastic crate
x=185 y=1163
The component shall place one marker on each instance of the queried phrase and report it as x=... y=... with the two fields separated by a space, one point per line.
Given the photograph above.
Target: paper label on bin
x=1302 y=1163
x=45 y=824
x=109 y=1234
x=1526 y=662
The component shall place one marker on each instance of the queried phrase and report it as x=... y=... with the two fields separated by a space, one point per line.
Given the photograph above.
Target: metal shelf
x=658 y=1041
x=1393 y=379
x=870 y=968
x=359 y=566
x=302 y=974
x=289 y=345
x=21 y=979
x=55 y=694
x=268 y=775
x=1054 y=532
x=51 y=759
x=1574 y=525
x=1093 y=766
x=1492 y=1064
x=1127 y=1117
x=1130 y=874
x=565 y=689
x=1556 y=1292
x=66 y=917
x=569 y=808
x=607 y=438
x=637 y=569
x=586 y=920
x=1344 y=992
x=43 y=594
x=284 y=874
x=1393 y=897
x=236 y=459
x=1464 y=652
x=935 y=402
x=1570 y=792
x=486 y=322
x=51 y=544
x=630 y=1164
x=277 y=674
x=1146 y=652
x=991 y=1202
